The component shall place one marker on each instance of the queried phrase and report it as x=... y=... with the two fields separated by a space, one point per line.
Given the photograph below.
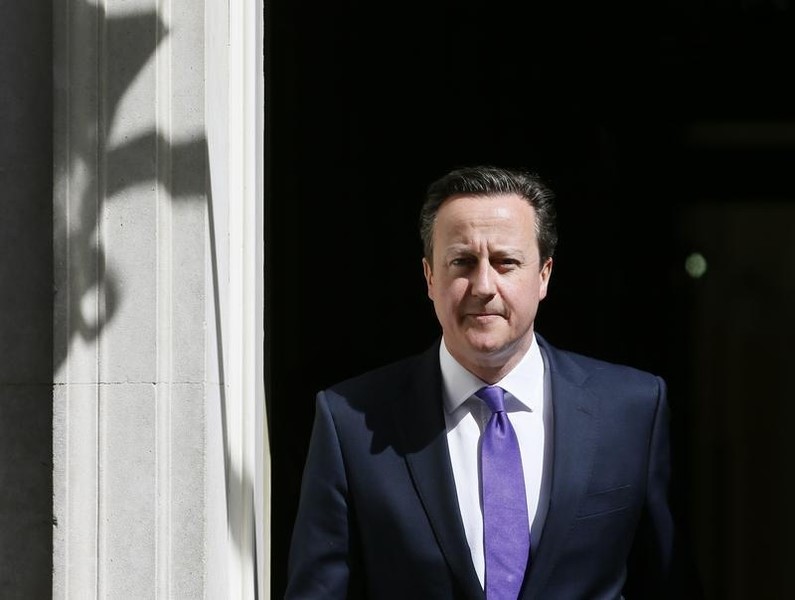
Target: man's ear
x=428 y=272
x=544 y=277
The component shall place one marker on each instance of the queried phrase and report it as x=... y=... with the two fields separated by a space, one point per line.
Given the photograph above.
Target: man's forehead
x=494 y=248
x=484 y=198
x=500 y=215
x=463 y=207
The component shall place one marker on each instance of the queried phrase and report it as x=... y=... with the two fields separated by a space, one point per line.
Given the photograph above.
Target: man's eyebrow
x=458 y=249
x=515 y=252
x=464 y=249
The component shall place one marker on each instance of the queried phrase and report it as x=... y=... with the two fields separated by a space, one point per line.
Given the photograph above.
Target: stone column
x=157 y=396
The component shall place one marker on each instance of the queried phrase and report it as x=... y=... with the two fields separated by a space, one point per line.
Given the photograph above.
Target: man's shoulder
x=382 y=375
x=590 y=370
x=391 y=378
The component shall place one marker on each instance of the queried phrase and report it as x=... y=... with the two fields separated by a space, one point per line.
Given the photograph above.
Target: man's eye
x=506 y=264
x=461 y=262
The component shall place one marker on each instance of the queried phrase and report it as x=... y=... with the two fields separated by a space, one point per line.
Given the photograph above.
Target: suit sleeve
x=660 y=565
x=321 y=559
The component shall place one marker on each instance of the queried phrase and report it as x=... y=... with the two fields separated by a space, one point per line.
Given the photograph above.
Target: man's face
x=486 y=280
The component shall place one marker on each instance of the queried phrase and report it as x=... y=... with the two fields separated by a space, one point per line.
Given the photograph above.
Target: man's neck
x=493 y=368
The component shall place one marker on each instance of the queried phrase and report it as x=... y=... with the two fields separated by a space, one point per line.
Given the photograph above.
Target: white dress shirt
x=527 y=404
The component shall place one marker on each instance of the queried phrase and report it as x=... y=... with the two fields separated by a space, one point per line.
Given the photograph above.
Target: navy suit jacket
x=378 y=515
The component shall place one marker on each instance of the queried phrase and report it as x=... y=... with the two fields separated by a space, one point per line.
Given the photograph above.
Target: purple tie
x=506 y=529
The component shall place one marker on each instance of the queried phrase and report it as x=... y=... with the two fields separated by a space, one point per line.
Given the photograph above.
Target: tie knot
x=493 y=396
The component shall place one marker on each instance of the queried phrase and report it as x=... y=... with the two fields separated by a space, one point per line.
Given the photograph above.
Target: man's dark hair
x=492 y=181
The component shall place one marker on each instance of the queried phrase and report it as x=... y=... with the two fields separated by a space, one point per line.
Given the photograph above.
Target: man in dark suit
x=421 y=483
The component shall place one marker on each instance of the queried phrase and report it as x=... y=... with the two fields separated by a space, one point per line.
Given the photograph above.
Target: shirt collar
x=525 y=382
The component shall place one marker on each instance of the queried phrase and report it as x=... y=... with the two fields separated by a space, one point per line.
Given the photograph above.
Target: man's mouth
x=483 y=316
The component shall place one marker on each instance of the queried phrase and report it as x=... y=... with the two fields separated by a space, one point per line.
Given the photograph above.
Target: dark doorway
x=637 y=114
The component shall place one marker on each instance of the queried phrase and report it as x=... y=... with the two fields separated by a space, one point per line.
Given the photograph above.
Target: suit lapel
x=421 y=423
x=575 y=424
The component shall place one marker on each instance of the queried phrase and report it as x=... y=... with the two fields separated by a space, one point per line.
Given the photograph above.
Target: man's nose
x=483 y=284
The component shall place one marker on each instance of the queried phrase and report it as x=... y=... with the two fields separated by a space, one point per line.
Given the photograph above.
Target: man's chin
x=488 y=350
x=493 y=351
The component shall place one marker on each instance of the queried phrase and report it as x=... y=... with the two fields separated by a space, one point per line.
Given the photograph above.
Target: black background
x=367 y=102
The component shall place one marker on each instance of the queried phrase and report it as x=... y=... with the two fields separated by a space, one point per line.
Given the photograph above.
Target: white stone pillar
x=160 y=448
